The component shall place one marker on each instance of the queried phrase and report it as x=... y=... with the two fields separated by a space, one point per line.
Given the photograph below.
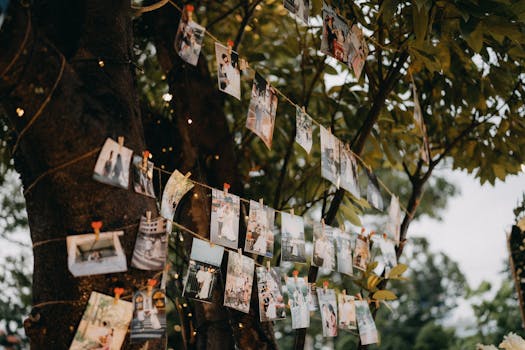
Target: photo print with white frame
x=358 y=50
x=205 y=252
x=373 y=192
x=361 y=252
x=393 y=226
x=298 y=8
x=297 y=289
x=328 y=308
x=143 y=176
x=292 y=238
x=112 y=167
x=344 y=253
x=330 y=156
x=262 y=110
x=304 y=127
x=335 y=40
x=151 y=246
x=365 y=322
x=228 y=72
x=313 y=302
x=259 y=231
x=188 y=41
x=347 y=314
x=149 y=313
x=88 y=255
x=323 y=254
x=224 y=223
x=104 y=324
x=239 y=281
x=201 y=280
x=349 y=174
x=176 y=187
x=271 y=301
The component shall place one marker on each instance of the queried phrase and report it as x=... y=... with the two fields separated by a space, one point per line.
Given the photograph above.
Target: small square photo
x=112 y=165
x=143 y=176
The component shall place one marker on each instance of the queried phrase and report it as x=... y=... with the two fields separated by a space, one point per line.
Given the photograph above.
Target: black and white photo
x=151 y=246
x=143 y=176
x=259 y=233
x=262 y=110
x=271 y=301
x=201 y=280
x=112 y=165
x=176 y=187
x=361 y=252
x=297 y=289
x=292 y=238
x=330 y=157
x=228 y=71
x=149 y=314
x=373 y=192
x=239 y=281
x=313 y=302
x=304 y=127
x=298 y=8
x=365 y=322
x=344 y=253
x=328 y=308
x=335 y=39
x=324 y=249
x=348 y=174
x=188 y=41
x=347 y=316
x=224 y=225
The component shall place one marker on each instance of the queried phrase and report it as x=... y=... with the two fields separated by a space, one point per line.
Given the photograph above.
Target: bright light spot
x=177 y=328
x=167 y=97
x=19 y=112
x=190 y=121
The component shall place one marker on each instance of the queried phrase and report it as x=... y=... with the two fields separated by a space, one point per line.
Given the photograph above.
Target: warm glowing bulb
x=167 y=97
x=20 y=112
x=101 y=63
x=190 y=121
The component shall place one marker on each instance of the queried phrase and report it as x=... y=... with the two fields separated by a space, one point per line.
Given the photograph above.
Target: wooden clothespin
x=325 y=286
x=322 y=226
x=268 y=265
x=188 y=174
x=151 y=283
x=148 y=216
x=372 y=233
x=303 y=110
x=145 y=155
x=226 y=187
x=118 y=292
x=261 y=202
x=344 y=292
x=230 y=47
x=120 y=143
x=96 y=225
x=189 y=11
x=292 y=211
x=342 y=227
x=243 y=64
x=377 y=304
x=239 y=251
x=295 y=273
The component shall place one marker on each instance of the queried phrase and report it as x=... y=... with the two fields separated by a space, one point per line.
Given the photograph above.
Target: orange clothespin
x=151 y=283
x=118 y=292
x=96 y=225
x=325 y=285
x=120 y=143
x=363 y=230
x=226 y=187
x=295 y=273
x=384 y=235
x=189 y=11
x=230 y=47
x=145 y=155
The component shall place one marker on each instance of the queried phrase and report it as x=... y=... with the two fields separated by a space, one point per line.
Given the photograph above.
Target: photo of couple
x=365 y=322
x=224 y=225
x=361 y=252
x=393 y=226
x=239 y=281
x=358 y=50
x=149 y=314
x=151 y=246
x=143 y=176
x=328 y=307
x=271 y=301
x=303 y=124
x=292 y=238
x=259 y=233
x=112 y=165
x=262 y=110
x=297 y=289
x=348 y=174
x=347 y=314
x=176 y=187
x=344 y=253
x=228 y=71
x=324 y=249
x=373 y=193
x=335 y=39
x=188 y=41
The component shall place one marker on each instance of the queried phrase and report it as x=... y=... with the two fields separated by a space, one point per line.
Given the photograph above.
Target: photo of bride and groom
x=112 y=167
x=224 y=226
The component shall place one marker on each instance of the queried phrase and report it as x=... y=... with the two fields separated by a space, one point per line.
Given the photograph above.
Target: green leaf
x=420 y=22
x=384 y=295
x=397 y=271
x=475 y=38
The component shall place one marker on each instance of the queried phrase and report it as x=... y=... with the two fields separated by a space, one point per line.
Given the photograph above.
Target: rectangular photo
x=149 y=314
x=324 y=249
x=344 y=253
x=228 y=72
x=176 y=187
x=297 y=289
x=388 y=252
x=292 y=238
x=151 y=246
x=361 y=252
x=259 y=233
x=373 y=192
x=104 y=324
x=271 y=301
x=365 y=322
x=88 y=255
x=206 y=253
x=358 y=50
x=224 y=223
x=188 y=41
x=143 y=176
x=262 y=110
x=347 y=317
x=112 y=165
x=330 y=161
x=239 y=281
x=335 y=39
x=298 y=8
x=328 y=307
x=304 y=127
x=349 y=174
x=200 y=281
x=313 y=302
x=393 y=226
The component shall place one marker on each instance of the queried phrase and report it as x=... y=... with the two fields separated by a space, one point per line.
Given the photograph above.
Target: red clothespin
x=384 y=235
x=189 y=11
x=230 y=47
x=96 y=225
x=151 y=283
x=325 y=285
x=363 y=230
x=118 y=292
x=295 y=273
x=226 y=187
x=145 y=155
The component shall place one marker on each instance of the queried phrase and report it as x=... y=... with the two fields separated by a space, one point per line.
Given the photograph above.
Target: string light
x=190 y=121
x=167 y=97
x=101 y=63
x=20 y=112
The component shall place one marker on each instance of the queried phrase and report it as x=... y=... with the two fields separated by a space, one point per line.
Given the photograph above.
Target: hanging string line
x=139 y=10
x=22 y=46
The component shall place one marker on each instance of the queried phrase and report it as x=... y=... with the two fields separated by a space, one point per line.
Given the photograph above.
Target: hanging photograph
x=365 y=322
x=373 y=193
x=324 y=249
x=239 y=281
x=143 y=176
x=330 y=161
x=328 y=307
x=298 y=8
x=259 y=233
x=358 y=50
x=292 y=238
x=271 y=301
x=347 y=317
x=112 y=165
x=104 y=324
x=388 y=252
x=200 y=281
x=304 y=127
x=149 y=314
x=344 y=253
x=313 y=302
x=349 y=174
x=206 y=253
x=88 y=255
x=151 y=246
x=393 y=226
x=297 y=288
x=176 y=187
x=335 y=40
x=224 y=225
x=228 y=72
x=361 y=252
x=262 y=110
x=188 y=40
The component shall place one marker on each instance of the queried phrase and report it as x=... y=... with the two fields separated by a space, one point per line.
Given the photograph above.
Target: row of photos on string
x=102 y=253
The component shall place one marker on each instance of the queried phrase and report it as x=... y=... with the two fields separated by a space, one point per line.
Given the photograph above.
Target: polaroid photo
x=365 y=322
x=330 y=160
x=206 y=253
x=347 y=316
x=323 y=254
x=344 y=253
x=297 y=289
x=188 y=41
x=224 y=225
x=373 y=192
x=393 y=226
x=299 y=8
x=304 y=127
x=361 y=253
x=328 y=307
x=335 y=39
x=200 y=281
x=358 y=51
x=271 y=301
x=88 y=255
x=176 y=187
x=239 y=281
x=104 y=324
x=151 y=246
x=262 y=110
x=112 y=167
x=292 y=238
x=313 y=302
x=228 y=72
x=259 y=232
x=349 y=174
x=143 y=176
x=149 y=314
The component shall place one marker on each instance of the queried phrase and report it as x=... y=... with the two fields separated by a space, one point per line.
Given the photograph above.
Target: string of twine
x=22 y=46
